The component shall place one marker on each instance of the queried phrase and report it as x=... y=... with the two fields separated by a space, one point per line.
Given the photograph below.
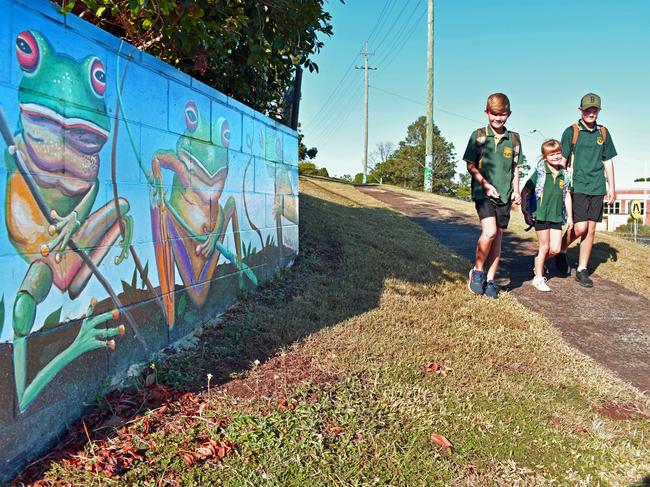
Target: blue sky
x=543 y=55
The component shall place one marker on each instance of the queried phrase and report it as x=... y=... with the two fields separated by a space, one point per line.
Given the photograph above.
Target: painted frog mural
x=286 y=200
x=190 y=224
x=60 y=149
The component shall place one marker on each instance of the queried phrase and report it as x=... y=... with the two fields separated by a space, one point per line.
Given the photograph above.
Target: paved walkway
x=612 y=325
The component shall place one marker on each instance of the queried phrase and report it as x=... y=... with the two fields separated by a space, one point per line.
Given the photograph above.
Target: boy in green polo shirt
x=546 y=204
x=492 y=156
x=589 y=151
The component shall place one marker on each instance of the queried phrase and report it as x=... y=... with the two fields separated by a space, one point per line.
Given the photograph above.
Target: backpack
x=532 y=199
x=574 y=141
x=481 y=136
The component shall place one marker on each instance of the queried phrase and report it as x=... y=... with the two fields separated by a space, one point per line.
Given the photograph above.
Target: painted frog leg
x=97 y=234
x=230 y=213
x=89 y=338
x=65 y=226
x=33 y=290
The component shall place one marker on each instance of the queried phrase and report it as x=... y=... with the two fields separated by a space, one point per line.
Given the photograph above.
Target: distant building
x=618 y=213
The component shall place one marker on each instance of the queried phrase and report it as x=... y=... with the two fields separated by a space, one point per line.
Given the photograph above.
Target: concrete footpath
x=610 y=323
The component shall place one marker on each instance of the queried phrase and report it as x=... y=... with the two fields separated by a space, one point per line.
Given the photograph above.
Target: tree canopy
x=247 y=49
x=405 y=166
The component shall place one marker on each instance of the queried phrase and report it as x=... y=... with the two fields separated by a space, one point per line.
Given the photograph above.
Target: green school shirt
x=549 y=208
x=589 y=153
x=496 y=162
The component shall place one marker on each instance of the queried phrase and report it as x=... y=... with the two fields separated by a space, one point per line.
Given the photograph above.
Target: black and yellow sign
x=635 y=210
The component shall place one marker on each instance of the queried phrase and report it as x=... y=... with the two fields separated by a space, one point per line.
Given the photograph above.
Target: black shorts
x=487 y=208
x=587 y=207
x=539 y=226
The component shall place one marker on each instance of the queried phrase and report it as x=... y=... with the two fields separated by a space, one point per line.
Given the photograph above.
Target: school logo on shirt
x=599 y=141
x=507 y=152
x=561 y=183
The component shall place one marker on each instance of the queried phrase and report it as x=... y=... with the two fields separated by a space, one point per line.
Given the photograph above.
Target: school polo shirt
x=549 y=208
x=496 y=162
x=589 y=153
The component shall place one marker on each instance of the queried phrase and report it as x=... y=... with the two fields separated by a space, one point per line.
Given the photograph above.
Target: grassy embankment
x=620 y=260
x=341 y=396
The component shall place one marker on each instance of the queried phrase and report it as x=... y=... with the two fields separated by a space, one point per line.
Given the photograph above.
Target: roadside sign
x=635 y=210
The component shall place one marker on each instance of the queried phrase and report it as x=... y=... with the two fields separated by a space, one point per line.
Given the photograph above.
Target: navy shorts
x=587 y=207
x=541 y=225
x=487 y=208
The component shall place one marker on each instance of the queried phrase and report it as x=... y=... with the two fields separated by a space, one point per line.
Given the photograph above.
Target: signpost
x=636 y=214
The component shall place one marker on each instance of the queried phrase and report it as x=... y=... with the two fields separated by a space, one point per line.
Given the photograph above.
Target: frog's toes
x=111 y=344
x=45 y=250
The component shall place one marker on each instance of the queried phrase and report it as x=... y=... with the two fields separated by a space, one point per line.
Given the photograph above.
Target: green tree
x=247 y=49
x=405 y=167
x=323 y=172
x=358 y=178
x=303 y=152
x=464 y=186
x=306 y=168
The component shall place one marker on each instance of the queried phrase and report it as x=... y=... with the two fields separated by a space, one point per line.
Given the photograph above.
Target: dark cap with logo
x=590 y=100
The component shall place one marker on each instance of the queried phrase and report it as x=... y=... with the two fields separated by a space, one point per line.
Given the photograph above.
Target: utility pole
x=365 y=140
x=428 y=159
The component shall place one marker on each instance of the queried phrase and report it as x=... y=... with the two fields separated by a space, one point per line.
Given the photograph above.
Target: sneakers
x=475 y=283
x=561 y=264
x=540 y=284
x=491 y=290
x=583 y=278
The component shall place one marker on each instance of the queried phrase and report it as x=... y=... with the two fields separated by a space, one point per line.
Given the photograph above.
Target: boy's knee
x=489 y=234
x=543 y=248
x=554 y=250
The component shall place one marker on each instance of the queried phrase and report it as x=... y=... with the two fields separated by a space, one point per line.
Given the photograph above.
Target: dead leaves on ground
x=443 y=444
x=209 y=449
x=436 y=369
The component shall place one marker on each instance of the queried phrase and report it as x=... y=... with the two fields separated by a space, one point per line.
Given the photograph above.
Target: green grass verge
x=345 y=399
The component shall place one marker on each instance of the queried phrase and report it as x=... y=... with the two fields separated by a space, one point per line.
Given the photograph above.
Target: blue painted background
x=262 y=175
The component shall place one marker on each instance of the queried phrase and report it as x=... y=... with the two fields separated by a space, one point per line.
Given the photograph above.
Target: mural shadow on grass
x=273 y=317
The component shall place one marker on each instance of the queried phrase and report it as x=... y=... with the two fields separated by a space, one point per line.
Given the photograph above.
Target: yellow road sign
x=635 y=210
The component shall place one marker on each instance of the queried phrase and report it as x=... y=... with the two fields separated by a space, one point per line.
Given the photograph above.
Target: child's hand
x=490 y=191
x=516 y=197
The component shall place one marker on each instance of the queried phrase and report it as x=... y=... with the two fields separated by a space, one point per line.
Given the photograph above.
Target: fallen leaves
x=436 y=369
x=443 y=444
x=209 y=449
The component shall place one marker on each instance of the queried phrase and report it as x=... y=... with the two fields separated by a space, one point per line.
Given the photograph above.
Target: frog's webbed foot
x=90 y=337
x=64 y=227
x=126 y=241
x=206 y=249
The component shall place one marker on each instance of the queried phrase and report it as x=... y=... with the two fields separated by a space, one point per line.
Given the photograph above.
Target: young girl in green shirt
x=547 y=206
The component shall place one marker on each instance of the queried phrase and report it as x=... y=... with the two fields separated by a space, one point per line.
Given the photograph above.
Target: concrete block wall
x=176 y=195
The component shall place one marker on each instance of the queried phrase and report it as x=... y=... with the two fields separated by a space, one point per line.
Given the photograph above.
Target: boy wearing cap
x=588 y=152
x=492 y=156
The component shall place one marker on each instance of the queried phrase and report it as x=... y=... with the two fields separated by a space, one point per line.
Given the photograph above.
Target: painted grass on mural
x=347 y=397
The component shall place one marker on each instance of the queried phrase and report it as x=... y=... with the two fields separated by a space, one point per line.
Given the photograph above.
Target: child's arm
x=568 y=205
x=490 y=190
x=516 y=194
x=610 y=197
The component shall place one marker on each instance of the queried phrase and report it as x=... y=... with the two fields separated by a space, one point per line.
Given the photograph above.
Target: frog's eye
x=191 y=116
x=27 y=51
x=225 y=134
x=97 y=77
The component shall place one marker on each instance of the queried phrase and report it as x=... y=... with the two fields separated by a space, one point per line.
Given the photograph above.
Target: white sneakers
x=540 y=284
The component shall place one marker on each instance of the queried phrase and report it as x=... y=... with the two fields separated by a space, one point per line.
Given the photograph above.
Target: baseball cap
x=590 y=100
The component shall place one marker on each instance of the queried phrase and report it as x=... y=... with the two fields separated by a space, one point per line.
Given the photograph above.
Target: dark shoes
x=475 y=283
x=562 y=265
x=491 y=290
x=583 y=278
